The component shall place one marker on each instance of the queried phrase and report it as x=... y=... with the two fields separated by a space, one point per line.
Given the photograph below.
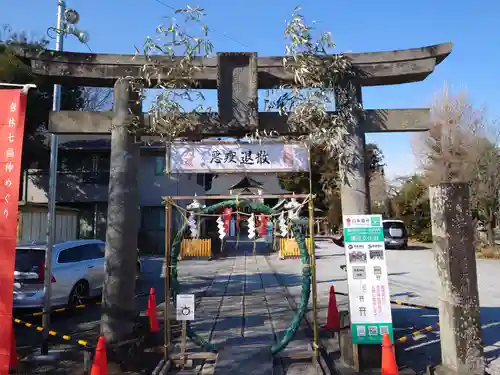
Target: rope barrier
x=185 y=213
x=415 y=334
x=52 y=333
x=400 y=303
x=73 y=308
x=61 y=309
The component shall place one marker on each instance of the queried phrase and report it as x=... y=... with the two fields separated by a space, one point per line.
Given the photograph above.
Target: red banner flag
x=263 y=225
x=227 y=218
x=12 y=115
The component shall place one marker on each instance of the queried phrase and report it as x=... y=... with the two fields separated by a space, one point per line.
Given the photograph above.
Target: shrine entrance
x=242 y=209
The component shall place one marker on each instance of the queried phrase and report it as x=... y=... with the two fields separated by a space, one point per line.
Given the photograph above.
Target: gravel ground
x=412 y=278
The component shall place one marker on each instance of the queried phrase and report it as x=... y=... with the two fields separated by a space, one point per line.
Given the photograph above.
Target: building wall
x=87 y=190
x=32 y=224
x=92 y=186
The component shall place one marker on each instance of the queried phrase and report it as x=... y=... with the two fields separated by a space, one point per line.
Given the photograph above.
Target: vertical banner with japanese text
x=369 y=301
x=12 y=115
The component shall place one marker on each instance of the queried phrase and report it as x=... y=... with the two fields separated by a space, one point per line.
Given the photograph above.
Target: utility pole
x=51 y=211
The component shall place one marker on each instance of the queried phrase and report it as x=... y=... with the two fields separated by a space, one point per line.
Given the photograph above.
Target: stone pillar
x=453 y=238
x=237 y=92
x=118 y=308
x=354 y=184
x=355 y=200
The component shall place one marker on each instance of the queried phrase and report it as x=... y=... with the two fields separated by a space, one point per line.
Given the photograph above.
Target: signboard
x=12 y=114
x=238 y=158
x=185 y=307
x=369 y=299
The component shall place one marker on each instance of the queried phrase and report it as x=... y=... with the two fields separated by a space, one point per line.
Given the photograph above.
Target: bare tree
x=461 y=146
x=486 y=184
x=447 y=152
x=96 y=99
x=378 y=188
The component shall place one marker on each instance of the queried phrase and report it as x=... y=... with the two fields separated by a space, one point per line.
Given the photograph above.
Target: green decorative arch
x=306 y=272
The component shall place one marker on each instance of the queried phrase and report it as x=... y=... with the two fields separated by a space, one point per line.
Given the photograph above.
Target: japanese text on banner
x=12 y=116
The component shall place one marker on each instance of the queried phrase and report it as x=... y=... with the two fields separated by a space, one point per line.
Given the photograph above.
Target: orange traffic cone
x=389 y=366
x=333 y=317
x=100 y=365
x=151 y=312
x=14 y=358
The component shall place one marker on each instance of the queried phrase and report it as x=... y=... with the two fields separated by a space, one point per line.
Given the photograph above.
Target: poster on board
x=369 y=298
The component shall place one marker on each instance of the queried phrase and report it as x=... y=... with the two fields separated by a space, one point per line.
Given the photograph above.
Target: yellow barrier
x=193 y=248
x=290 y=249
x=62 y=309
x=51 y=333
x=416 y=334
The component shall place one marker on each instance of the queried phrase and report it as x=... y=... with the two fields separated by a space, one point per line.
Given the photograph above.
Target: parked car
x=395 y=234
x=77 y=273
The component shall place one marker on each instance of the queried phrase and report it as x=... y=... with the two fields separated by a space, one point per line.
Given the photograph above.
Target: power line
x=212 y=29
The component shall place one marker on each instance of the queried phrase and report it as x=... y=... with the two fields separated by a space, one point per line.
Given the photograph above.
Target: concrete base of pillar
x=445 y=370
x=369 y=356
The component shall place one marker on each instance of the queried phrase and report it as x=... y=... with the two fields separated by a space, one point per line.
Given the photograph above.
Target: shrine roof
x=269 y=183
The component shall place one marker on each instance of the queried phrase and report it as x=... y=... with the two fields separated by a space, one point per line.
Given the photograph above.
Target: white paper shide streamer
x=193 y=227
x=251 y=226
x=221 y=228
x=282 y=225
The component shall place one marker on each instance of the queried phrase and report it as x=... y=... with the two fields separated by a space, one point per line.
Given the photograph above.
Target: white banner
x=238 y=158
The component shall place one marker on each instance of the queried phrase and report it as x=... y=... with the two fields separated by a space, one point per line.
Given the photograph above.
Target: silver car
x=77 y=273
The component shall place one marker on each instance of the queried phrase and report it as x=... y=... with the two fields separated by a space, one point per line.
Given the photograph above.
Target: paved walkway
x=243 y=310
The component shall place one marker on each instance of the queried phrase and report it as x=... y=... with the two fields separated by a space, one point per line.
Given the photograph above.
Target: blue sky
x=357 y=26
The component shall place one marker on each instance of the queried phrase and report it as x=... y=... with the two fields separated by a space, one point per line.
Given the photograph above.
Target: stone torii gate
x=237 y=77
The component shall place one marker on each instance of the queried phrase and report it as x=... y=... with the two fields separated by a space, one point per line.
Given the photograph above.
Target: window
x=93 y=251
x=103 y=162
x=81 y=253
x=27 y=260
x=153 y=218
x=394 y=229
x=200 y=179
x=71 y=255
x=159 y=165
x=76 y=162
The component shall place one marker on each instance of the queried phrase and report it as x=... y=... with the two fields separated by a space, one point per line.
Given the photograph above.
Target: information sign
x=369 y=298
x=185 y=306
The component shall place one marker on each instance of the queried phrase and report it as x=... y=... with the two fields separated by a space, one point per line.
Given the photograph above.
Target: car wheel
x=78 y=294
x=404 y=246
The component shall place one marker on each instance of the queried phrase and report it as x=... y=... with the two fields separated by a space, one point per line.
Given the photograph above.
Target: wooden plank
x=373 y=68
x=376 y=120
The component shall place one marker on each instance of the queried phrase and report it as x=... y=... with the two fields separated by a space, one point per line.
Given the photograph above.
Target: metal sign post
x=51 y=209
x=185 y=304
